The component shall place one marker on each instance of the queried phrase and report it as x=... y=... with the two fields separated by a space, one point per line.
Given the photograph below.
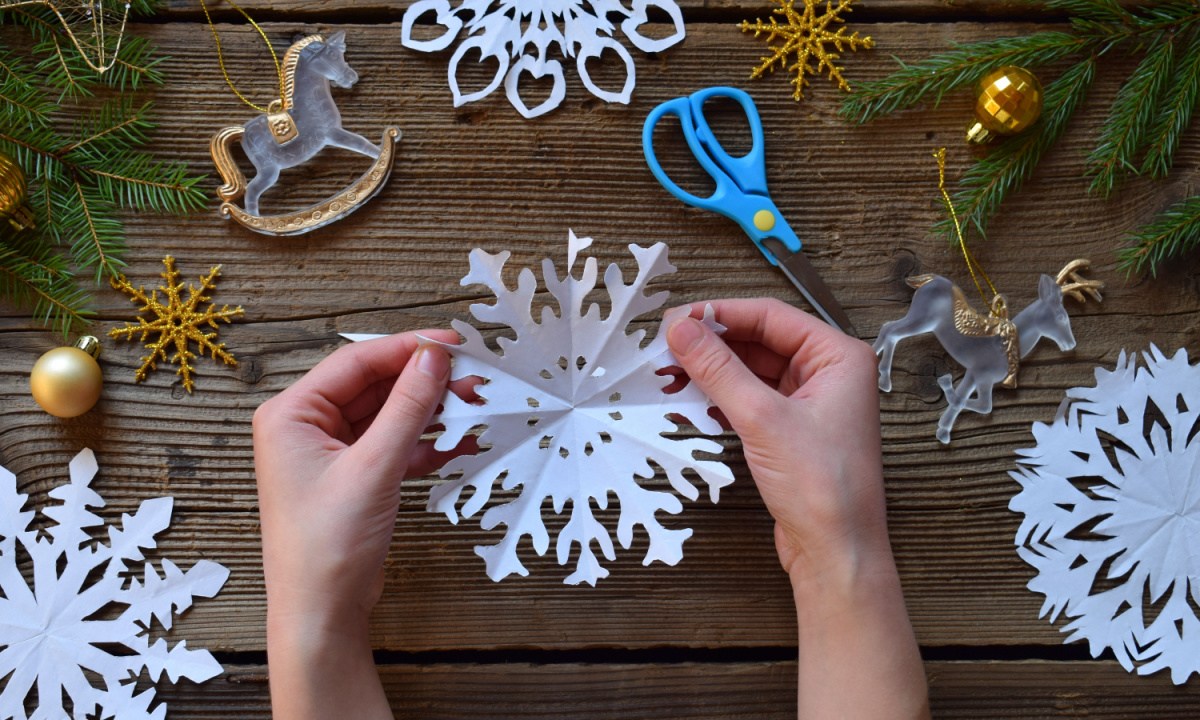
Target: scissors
x=741 y=193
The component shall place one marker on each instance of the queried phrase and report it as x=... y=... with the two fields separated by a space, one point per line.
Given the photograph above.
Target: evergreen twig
x=84 y=163
x=1144 y=127
x=1175 y=232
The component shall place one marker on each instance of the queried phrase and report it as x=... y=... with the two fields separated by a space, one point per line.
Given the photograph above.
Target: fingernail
x=684 y=335
x=433 y=361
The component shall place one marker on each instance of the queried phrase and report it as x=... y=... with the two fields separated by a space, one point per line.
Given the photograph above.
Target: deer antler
x=1075 y=285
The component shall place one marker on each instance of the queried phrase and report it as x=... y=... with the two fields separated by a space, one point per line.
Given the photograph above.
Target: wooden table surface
x=713 y=637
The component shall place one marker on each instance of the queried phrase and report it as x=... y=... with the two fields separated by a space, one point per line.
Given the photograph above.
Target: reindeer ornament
x=989 y=346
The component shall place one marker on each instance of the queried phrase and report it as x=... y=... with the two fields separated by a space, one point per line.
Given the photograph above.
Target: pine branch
x=1129 y=121
x=83 y=160
x=1176 y=115
x=33 y=275
x=21 y=102
x=961 y=66
x=138 y=181
x=88 y=224
x=1172 y=234
x=1007 y=167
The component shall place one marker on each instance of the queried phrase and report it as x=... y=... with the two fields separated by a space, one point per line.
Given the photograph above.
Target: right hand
x=801 y=396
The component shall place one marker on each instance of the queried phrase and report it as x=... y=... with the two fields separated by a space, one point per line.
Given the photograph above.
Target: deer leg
x=982 y=403
x=340 y=137
x=885 y=345
x=262 y=182
x=956 y=400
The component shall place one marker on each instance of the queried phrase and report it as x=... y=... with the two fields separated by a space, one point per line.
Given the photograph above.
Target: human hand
x=330 y=452
x=802 y=397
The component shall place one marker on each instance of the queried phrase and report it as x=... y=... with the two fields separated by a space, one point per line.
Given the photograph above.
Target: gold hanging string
x=973 y=265
x=221 y=54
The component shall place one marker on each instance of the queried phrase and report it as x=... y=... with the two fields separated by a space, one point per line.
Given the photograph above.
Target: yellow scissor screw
x=764 y=220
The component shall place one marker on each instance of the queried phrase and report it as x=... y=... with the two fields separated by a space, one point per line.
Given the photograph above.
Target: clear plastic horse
x=988 y=347
x=309 y=66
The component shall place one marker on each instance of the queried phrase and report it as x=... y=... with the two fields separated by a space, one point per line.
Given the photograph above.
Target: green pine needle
x=1151 y=112
x=961 y=66
x=1129 y=122
x=1175 y=115
x=85 y=162
x=1006 y=168
x=1171 y=235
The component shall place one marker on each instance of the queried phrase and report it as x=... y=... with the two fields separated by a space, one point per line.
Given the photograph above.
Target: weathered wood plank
x=366 y=11
x=863 y=198
x=708 y=691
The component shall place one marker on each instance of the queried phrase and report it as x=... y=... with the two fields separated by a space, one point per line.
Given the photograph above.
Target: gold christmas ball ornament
x=12 y=194
x=1009 y=101
x=66 y=381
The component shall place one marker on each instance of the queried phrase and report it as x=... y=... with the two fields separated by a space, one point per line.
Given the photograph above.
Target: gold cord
x=221 y=55
x=973 y=265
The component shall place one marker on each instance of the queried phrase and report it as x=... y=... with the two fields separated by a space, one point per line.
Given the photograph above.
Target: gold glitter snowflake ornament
x=807 y=36
x=177 y=322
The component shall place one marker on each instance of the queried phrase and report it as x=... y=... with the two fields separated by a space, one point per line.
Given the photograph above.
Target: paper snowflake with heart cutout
x=1111 y=499
x=85 y=600
x=572 y=410
x=521 y=37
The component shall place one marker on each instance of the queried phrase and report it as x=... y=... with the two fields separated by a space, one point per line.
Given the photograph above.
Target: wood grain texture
x=709 y=691
x=863 y=199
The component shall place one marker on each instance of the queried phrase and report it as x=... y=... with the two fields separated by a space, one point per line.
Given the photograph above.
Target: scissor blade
x=804 y=276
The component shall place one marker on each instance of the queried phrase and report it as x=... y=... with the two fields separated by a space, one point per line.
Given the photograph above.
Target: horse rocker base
x=329 y=210
x=295 y=128
x=989 y=347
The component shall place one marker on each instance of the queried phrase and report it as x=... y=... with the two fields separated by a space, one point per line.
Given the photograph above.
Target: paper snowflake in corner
x=1111 y=498
x=807 y=36
x=573 y=409
x=85 y=599
x=519 y=36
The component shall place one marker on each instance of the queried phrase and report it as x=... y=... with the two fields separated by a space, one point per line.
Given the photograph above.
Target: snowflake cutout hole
x=79 y=637
x=1111 y=499
x=573 y=410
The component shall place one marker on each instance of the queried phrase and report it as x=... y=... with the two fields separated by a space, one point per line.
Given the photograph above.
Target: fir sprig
x=1141 y=134
x=1174 y=233
x=79 y=137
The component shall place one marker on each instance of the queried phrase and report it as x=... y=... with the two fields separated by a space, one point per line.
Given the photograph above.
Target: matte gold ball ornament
x=66 y=381
x=12 y=195
x=1009 y=101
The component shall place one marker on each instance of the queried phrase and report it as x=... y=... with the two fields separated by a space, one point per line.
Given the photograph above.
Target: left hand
x=330 y=453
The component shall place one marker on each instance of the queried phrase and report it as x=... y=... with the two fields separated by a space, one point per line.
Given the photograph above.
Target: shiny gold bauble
x=12 y=194
x=1010 y=100
x=66 y=381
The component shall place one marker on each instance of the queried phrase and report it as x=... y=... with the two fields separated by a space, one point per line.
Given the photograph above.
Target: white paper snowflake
x=85 y=599
x=573 y=409
x=1111 y=498
x=520 y=35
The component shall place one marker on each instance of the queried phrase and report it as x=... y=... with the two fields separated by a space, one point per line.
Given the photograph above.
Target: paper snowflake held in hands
x=519 y=35
x=573 y=409
x=1111 y=498
x=64 y=625
x=807 y=36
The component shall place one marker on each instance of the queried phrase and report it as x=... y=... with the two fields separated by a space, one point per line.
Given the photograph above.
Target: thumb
x=393 y=435
x=716 y=369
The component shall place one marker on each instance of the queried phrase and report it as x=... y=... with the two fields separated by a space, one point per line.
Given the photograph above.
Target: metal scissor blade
x=804 y=276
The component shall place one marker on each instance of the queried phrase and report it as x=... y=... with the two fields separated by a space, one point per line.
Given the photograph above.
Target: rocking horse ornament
x=295 y=128
x=989 y=346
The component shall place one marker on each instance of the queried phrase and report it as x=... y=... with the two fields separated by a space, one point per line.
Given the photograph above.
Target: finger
x=391 y=438
x=351 y=369
x=808 y=343
x=718 y=371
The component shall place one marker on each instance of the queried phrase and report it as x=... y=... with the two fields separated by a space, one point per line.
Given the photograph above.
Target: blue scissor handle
x=741 y=182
